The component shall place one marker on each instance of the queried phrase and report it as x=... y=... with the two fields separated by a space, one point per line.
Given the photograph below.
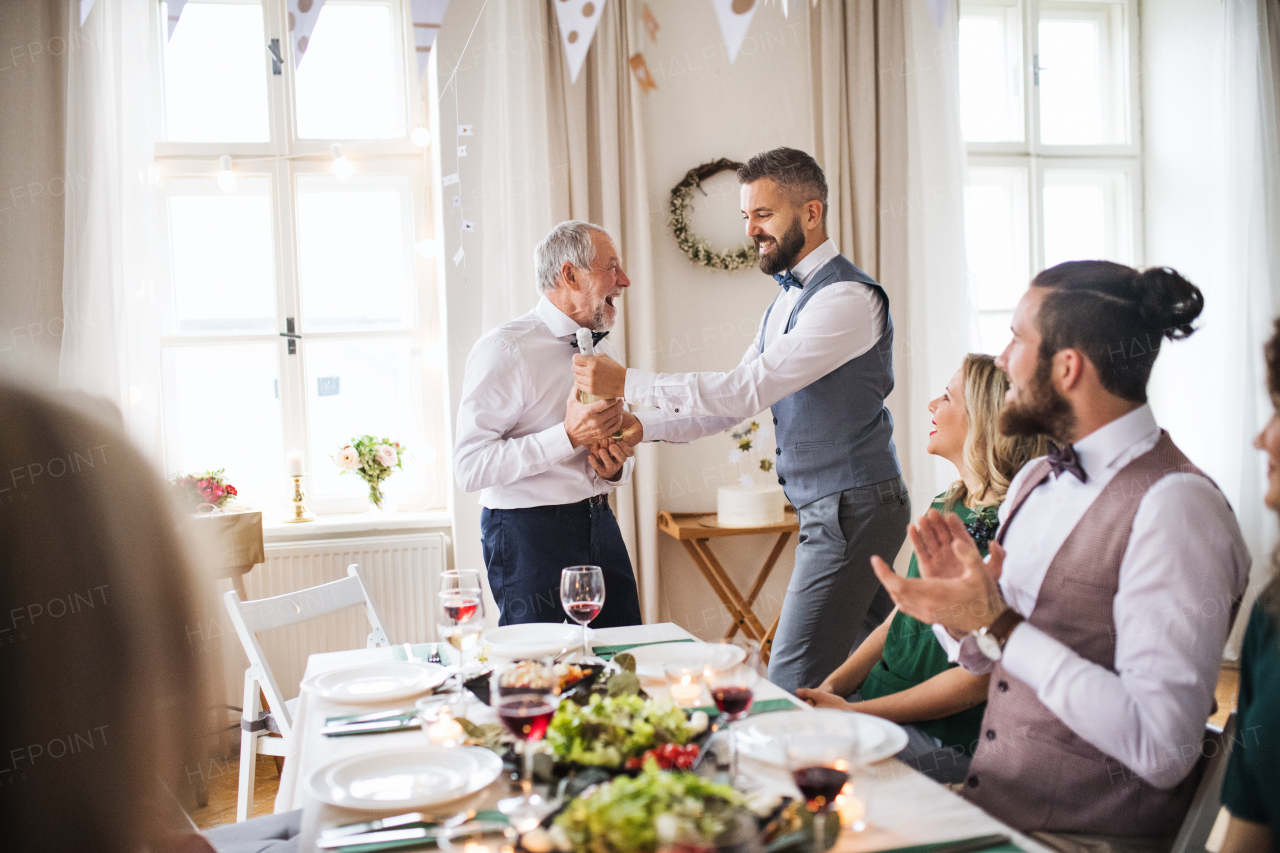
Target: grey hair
x=569 y=242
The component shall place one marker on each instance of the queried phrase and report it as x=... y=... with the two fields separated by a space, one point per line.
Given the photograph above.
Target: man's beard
x=599 y=323
x=787 y=251
x=1042 y=411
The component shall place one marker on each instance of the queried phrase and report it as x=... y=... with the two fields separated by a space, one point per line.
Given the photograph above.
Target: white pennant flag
x=86 y=6
x=174 y=14
x=303 y=15
x=735 y=17
x=427 y=17
x=578 y=20
x=458 y=256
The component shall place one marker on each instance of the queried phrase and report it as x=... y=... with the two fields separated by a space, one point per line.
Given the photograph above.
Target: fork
x=434 y=657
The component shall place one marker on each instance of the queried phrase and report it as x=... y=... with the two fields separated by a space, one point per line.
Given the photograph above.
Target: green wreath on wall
x=696 y=248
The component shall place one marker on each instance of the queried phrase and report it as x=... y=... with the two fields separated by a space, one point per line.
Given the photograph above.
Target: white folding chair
x=1207 y=800
x=250 y=617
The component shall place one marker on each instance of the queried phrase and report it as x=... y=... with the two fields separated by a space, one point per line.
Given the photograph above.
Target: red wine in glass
x=460 y=609
x=583 y=612
x=820 y=785
x=732 y=701
x=527 y=718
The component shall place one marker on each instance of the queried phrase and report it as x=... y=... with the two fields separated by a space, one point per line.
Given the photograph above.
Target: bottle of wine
x=586 y=347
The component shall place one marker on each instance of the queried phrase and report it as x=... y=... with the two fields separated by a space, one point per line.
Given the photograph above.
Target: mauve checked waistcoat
x=1030 y=770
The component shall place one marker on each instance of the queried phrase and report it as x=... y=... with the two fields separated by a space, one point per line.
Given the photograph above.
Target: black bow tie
x=596 y=337
x=1064 y=458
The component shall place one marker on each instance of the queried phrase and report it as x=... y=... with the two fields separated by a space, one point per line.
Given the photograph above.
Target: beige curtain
x=885 y=89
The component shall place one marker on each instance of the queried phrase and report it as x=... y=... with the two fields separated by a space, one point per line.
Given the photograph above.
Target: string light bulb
x=421 y=137
x=341 y=165
x=226 y=177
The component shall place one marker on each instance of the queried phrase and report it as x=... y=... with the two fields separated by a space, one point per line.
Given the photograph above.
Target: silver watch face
x=988 y=645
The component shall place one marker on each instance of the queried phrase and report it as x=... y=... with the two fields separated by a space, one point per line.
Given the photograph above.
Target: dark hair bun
x=1167 y=302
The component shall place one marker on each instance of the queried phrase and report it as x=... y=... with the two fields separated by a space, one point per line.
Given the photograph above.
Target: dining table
x=903 y=806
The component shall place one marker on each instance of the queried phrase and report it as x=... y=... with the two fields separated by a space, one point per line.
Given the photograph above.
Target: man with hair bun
x=1103 y=609
x=823 y=360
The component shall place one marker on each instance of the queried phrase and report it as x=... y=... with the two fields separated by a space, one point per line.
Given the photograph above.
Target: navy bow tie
x=787 y=280
x=596 y=337
x=1064 y=458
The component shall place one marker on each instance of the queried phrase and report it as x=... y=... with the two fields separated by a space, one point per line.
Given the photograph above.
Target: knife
x=393 y=835
x=379 y=715
x=374 y=825
x=372 y=726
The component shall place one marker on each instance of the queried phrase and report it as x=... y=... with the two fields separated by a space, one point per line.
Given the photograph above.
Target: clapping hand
x=957 y=589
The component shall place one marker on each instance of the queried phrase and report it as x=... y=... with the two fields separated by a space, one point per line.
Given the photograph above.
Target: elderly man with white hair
x=544 y=463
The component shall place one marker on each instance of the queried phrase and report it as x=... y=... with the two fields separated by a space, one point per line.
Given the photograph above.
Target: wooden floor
x=222 y=776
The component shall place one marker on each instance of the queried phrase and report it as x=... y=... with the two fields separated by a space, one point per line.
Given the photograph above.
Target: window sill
x=344 y=525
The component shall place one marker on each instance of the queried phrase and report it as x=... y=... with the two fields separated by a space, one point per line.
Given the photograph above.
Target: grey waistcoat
x=835 y=433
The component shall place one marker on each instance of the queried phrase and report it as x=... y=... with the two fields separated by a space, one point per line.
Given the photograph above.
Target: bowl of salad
x=609 y=731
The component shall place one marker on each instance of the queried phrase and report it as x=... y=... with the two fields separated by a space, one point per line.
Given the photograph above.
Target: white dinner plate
x=533 y=640
x=406 y=778
x=650 y=660
x=378 y=682
x=761 y=736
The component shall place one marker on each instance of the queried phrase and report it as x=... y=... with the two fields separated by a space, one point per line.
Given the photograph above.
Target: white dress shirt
x=840 y=323
x=1185 y=566
x=512 y=445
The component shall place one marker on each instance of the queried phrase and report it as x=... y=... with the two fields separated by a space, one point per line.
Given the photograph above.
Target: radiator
x=401 y=575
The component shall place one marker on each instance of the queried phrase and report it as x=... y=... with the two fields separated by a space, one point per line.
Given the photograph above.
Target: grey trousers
x=834 y=597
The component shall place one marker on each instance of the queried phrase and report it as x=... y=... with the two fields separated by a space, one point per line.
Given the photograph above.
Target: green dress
x=912 y=655
x=1251 y=790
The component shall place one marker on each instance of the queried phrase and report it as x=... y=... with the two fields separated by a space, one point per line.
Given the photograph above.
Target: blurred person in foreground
x=1102 y=611
x=1251 y=790
x=901 y=672
x=104 y=694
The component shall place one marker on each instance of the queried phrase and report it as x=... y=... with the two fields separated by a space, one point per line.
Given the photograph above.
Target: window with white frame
x=1050 y=113
x=296 y=312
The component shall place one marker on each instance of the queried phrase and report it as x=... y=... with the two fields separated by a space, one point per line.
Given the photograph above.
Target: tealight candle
x=684 y=682
x=853 y=812
x=445 y=731
x=479 y=837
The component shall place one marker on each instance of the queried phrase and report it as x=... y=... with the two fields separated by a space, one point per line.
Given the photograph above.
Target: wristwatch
x=992 y=638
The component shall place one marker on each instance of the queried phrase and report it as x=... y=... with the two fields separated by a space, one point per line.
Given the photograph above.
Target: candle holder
x=300 y=513
x=684 y=681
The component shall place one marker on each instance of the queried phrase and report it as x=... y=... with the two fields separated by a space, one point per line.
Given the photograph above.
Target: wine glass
x=460 y=579
x=525 y=695
x=460 y=621
x=821 y=753
x=582 y=595
x=731 y=674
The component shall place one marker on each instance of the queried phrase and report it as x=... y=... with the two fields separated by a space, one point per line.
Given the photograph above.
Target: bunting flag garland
x=459 y=256
x=427 y=17
x=303 y=15
x=449 y=180
x=640 y=68
x=735 y=18
x=465 y=130
x=174 y=14
x=578 y=20
x=651 y=23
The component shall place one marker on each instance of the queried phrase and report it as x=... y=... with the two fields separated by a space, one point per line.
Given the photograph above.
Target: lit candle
x=852 y=810
x=445 y=731
x=293 y=463
x=684 y=691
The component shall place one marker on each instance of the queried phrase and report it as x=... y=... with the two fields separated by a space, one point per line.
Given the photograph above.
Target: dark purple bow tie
x=1064 y=458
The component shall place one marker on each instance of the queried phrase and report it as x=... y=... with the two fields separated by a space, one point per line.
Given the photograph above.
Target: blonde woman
x=900 y=672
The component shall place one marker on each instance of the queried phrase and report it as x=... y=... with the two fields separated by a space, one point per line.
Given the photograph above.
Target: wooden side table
x=695 y=530
x=236 y=538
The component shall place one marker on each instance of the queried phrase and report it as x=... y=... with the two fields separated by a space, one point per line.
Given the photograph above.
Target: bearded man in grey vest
x=1103 y=609
x=823 y=360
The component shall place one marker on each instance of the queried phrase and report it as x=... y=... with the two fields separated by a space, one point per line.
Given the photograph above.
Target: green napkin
x=608 y=652
x=764 y=706
x=486 y=816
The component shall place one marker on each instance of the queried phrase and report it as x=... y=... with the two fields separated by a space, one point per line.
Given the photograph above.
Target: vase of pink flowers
x=374 y=459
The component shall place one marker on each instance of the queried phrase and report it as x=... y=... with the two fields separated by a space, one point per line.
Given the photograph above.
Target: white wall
x=706 y=319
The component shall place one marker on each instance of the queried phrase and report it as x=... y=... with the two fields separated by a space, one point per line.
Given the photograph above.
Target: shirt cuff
x=555 y=442
x=1033 y=657
x=654 y=423
x=949 y=644
x=637 y=386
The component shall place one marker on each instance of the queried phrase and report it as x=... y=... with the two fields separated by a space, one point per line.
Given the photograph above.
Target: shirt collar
x=1102 y=447
x=560 y=323
x=814 y=261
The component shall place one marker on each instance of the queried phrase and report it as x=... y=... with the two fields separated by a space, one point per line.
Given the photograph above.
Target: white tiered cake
x=739 y=507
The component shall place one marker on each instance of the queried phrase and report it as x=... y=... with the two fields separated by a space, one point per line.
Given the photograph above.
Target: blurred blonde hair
x=103 y=689
x=993 y=458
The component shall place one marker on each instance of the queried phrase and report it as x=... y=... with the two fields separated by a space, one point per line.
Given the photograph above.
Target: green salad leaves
x=610 y=729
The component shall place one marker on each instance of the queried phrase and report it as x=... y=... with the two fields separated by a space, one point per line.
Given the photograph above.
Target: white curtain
x=886 y=97
x=1252 y=54
x=110 y=343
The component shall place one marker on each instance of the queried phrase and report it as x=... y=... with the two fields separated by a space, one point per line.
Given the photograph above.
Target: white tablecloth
x=903 y=806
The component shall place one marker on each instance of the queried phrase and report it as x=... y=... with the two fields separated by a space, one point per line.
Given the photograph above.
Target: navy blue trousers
x=525 y=549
